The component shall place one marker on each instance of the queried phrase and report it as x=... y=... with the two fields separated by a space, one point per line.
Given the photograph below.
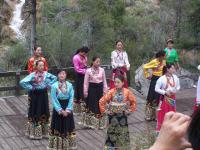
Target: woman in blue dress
x=37 y=84
x=62 y=135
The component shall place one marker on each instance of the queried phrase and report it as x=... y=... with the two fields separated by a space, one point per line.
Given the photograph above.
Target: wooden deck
x=13 y=113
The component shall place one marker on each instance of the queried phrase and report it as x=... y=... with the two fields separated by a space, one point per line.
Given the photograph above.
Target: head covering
x=170 y=40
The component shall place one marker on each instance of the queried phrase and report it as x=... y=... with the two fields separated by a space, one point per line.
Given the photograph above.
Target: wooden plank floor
x=13 y=116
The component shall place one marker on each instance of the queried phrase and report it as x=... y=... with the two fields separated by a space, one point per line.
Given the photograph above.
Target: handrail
x=17 y=75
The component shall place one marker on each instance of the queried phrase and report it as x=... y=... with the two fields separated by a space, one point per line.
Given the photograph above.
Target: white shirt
x=161 y=85
x=119 y=59
x=198 y=91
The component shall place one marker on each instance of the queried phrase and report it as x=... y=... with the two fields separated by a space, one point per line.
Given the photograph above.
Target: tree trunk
x=33 y=26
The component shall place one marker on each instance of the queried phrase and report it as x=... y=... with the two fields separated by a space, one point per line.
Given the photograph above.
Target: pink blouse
x=80 y=63
x=93 y=75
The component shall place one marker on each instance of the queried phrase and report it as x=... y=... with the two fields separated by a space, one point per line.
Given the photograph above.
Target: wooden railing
x=9 y=81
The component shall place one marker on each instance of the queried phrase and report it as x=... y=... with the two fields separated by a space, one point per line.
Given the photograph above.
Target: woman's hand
x=172 y=133
x=65 y=113
x=168 y=93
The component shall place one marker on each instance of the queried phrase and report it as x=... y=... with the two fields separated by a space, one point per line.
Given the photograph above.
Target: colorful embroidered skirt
x=38 y=114
x=167 y=104
x=62 y=135
x=117 y=133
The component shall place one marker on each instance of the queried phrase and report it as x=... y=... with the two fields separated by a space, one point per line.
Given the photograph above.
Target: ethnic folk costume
x=119 y=59
x=166 y=104
x=153 y=97
x=80 y=67
x=62 y=135
x=197 y=100
x=171 y=55
x=94 y=86
x=37 y=83
x=32 y=61
x=118 y=102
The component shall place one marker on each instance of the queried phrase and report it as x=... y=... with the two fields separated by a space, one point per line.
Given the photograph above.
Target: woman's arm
x=71 y=98
x=159 y=85
x=86 y=84
x=105 y=86
x=26 y=82
x=104 y=100
x=54 y=99
x=133 y=102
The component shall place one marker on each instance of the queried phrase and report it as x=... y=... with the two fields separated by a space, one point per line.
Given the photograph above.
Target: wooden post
x=17 y=89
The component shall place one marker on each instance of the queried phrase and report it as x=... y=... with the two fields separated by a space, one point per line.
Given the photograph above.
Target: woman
x=37 y=83
x=171 y=54
x=95 y=86
x=62 y=135
x=120 y=63
x=167 y=85
x=121 y=101
x=37 y=56
x=197 y=100
x=80 y=67
x=156 y=65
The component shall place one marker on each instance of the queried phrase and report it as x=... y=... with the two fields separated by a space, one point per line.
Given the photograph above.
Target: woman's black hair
x=168 y=66
x=35 y=47
x=160 y=54
x=120 y=77
x=194 y=130
x=37 y=62
x=119 y=41
x=60 y=70
x=83 y=49
x=94 y=59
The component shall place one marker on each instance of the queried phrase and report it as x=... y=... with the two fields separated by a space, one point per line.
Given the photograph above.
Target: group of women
x=100 y=107
x=93 y=100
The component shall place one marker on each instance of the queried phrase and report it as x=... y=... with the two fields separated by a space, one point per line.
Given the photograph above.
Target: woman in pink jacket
x=80 y=66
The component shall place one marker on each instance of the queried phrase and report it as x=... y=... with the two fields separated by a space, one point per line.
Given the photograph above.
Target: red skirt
x=166 y=105
x=195 y=105
x=120 y=71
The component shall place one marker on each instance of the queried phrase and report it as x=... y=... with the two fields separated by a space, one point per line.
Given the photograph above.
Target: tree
x=33 y=25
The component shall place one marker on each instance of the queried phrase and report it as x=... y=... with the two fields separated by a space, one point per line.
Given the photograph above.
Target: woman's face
x=40 y=66
x=62 y=75
x=38 y=51
x=171 y=70
x=170 y=45
x=97 y=62
x=119 y=46
x=118 y=83
x=83 y=54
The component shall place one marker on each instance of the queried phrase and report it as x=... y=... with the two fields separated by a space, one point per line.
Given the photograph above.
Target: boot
x=72 y=142
x=32 y=131
x=103 y=122
x=45 y=130
x=27 y=128
x=59 y=143
x=51 y=142
x=65 y=144
x=38 y=132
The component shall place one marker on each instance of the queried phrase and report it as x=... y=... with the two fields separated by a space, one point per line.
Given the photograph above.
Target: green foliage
x=16 y=57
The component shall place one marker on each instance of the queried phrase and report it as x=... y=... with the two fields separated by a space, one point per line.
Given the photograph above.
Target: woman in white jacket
x=197 y=101
x=167 y=85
